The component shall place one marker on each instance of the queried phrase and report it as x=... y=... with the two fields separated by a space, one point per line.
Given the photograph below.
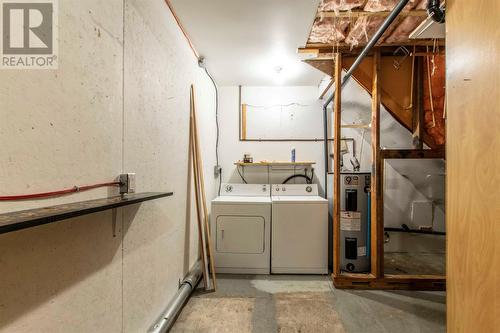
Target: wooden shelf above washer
x=267 y=164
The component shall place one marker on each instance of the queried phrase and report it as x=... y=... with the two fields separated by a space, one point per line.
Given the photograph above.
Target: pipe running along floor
x=293 y=304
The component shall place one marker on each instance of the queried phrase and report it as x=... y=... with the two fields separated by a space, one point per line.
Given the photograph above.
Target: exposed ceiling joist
x=318 y=48
x=361 y=13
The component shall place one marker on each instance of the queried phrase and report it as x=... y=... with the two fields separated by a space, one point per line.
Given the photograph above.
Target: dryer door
x=240 y=234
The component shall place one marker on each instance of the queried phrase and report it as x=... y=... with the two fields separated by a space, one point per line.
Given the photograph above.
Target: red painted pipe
x=56 y=193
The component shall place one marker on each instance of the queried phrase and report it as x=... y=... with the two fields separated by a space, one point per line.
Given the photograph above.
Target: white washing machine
x=299 y=232
x=241 y=229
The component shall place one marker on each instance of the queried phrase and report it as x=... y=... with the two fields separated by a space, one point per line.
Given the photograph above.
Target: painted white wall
x=232 y=149
x=283 y=112
x=113 y=271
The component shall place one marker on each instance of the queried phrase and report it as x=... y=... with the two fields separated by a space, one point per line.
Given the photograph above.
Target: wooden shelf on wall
x=10 y=222
x=267 y=164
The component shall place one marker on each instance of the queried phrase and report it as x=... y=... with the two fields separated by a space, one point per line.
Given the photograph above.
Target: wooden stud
x=361 y=13
x=418 y=104
x=337 y=104
x=325 y=91
x=377 y=205
x=346 y=48
x=412 y=154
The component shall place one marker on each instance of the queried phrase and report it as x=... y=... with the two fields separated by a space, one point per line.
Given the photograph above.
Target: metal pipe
x=387 y=22
x=435 y=11
x=167 y=319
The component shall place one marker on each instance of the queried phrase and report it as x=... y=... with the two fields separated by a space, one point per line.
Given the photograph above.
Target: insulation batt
x=385 y=5
x=437 y=132
x=362 y=29
x=337 y=5
x=328 y=30
x=403 y=30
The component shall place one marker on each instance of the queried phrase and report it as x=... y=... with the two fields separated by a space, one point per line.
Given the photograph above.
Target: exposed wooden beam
x=418 y=103
x=344 y=47
x=412 y=153
x=330 y=84
x=385 y=51
x=362 y=13
x=336 y=163
x=310 y=51
x=377 y=196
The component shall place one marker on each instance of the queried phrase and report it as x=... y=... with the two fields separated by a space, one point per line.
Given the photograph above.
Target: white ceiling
x=244 y=41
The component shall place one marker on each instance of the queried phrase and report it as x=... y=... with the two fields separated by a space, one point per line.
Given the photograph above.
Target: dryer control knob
x=309 y=189
x=229 y=188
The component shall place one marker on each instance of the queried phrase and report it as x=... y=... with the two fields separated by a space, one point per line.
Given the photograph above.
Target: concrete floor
x=300 y=304
x=415 y=263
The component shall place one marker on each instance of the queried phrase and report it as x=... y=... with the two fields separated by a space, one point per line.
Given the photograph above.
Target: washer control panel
x=295 y=190
x=259 y=190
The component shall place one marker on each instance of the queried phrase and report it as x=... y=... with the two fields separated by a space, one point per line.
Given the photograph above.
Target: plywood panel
x=473 y=178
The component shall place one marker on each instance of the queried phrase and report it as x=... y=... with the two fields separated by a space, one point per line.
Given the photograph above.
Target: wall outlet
x=127 y=181
x=217 y=170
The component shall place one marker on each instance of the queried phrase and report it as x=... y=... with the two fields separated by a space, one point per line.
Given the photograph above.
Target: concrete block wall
x=119 y=102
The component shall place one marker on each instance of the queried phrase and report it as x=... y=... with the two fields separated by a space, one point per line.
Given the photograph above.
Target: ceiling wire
x=276 y=106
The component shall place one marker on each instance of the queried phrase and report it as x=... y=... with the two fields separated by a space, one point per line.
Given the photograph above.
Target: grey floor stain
x=303 y=304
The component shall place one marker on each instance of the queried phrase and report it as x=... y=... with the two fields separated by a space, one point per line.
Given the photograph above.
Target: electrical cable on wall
x=201 y=62
x=264 y=107
x=46 y=195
